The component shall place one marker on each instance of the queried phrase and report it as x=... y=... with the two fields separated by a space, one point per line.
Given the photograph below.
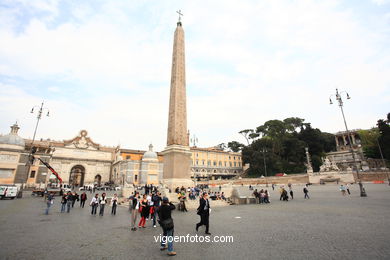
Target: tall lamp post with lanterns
x=39 y=110
x=339 y=99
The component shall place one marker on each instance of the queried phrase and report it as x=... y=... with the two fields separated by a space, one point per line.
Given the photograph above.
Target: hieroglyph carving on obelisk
x=177 y=154
x=177 y=122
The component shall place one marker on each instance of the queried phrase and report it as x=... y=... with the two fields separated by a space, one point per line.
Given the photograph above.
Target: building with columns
x=343 y=156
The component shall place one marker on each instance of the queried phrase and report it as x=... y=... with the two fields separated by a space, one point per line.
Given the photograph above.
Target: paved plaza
x=328 y=226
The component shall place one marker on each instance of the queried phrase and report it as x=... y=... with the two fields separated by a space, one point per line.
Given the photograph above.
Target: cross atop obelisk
x=180 y=15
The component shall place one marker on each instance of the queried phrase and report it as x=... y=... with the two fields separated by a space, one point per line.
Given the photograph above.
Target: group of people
x=157 y=208
x=69 y=199
x=146 y=206
x=261 y=196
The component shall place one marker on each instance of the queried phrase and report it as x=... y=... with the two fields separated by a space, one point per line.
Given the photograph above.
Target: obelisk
x=177 y=155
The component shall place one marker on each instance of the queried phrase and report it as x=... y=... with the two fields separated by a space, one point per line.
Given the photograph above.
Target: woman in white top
x=94 y=204
x=114 y=203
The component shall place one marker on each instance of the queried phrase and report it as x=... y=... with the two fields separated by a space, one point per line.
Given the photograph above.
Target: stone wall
x=374 y=176
x=293 y=178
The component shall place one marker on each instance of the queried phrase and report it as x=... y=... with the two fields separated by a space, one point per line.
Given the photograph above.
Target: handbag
x=167 y=224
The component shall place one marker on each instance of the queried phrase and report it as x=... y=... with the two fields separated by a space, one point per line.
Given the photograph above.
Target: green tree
x=284 y=143
x=235 y=146
x=369 y=140
x=384 y=138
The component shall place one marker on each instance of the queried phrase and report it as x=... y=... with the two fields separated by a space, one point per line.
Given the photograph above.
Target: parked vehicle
x=8 y=191
x=66 y=187
x=86 y=187
x=38 y=192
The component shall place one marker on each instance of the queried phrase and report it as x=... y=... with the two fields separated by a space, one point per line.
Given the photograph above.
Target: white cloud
x=247 y=62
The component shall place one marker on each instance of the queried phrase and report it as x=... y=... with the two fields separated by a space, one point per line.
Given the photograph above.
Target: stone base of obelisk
x=177 y=167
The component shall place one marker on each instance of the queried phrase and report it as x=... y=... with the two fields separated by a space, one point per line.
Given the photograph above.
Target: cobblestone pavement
x=328 y=226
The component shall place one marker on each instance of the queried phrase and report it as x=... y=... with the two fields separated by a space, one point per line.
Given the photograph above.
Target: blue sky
x=104 y=66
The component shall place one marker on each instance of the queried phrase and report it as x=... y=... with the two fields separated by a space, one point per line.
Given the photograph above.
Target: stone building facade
x=80 y=161
x=213 y=163
x=135 y=167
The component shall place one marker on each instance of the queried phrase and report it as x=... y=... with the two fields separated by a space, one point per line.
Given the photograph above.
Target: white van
x=8 y=191
x=66 y=188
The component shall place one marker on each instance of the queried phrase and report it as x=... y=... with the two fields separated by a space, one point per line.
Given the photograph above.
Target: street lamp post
x=265 y=168
x=340 y=101
x=41 y=109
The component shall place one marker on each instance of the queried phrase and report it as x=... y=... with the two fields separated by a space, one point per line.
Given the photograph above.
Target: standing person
x=83 y=198
x=273 y=186
x=156 y=198
x=291 y=193
x=204 y=212
x=347 y=187
x=102 y=202
x=69 y=200
x=150 y=205
x=75 y=197
x=49 y=202
x=256 y=194
x=114 y=203
x=306 y=191
x=144 y=209
x=63 y=203
x=266 y=196
x=94 y=204
x=166 y=222
x=281 y=188
x=134 y=207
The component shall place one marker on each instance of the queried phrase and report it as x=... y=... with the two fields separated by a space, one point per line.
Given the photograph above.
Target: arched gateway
x=76 y=177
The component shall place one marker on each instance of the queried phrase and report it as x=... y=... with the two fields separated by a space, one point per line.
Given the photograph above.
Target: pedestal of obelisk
x=177 y=166
x=177 y=155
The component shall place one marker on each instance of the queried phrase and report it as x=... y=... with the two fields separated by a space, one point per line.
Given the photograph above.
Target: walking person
x=291 y=193
x=83 y=198
x=63 y=203
x=114 y=203
x=306 y=191
x=49 y=202
x=347 y=187
x=102 y=203
x=69 y=200
x=94 y=204
x=166 y=222
x=342 y=189
x=204 y=212
x=134 y=207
